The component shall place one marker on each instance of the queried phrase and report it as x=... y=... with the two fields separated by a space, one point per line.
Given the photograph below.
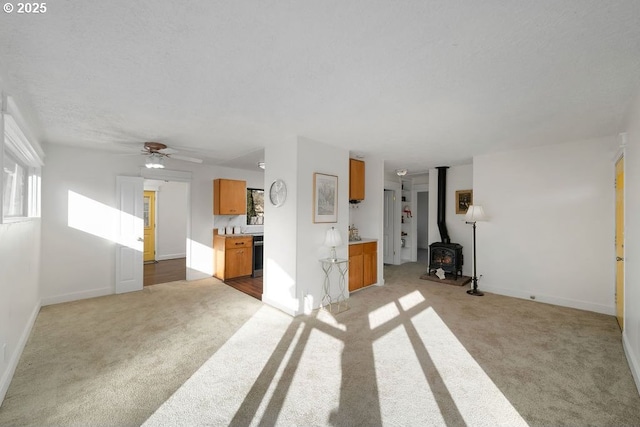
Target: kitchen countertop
x=245 y=234
x=363 y=240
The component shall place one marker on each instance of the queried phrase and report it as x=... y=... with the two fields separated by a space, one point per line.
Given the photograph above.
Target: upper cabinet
x=229 y=197
x=356 y=179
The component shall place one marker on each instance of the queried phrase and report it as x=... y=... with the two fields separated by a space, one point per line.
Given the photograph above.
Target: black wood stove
x=444 y=254
x=447 y=256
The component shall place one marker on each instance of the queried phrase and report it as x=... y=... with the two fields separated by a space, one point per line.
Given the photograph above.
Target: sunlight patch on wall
x=100 y=220
x=279 y=286
x=199 y=257
x=308 y=304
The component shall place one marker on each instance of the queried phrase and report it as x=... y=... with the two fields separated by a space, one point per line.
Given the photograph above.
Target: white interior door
x=130 y=246
x=387 y=229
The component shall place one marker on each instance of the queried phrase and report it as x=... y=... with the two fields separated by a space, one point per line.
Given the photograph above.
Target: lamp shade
x=332 y=238
x=475 y=213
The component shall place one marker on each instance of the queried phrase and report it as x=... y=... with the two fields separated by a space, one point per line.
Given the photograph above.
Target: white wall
x=458 y=178
x=171 y=219
x=316 y=157
x=19 y=267
x=19 y=292
x=75 y=263
x=550 y=229
x=280 y=248
x=631 y=333
x=293 y=275
x=80 y=263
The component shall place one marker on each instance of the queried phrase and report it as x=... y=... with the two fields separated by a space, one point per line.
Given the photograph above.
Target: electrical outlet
x=4 y=352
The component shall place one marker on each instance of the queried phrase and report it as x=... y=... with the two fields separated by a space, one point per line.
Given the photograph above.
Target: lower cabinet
x=363 y=265
x=233 y=256
x=356 y=266
x=370 y=263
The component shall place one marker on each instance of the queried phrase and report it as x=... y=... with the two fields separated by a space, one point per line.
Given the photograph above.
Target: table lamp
x=333 y=239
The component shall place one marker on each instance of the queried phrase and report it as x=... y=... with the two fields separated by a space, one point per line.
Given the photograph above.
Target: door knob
x=140 y=239
x=619 y=258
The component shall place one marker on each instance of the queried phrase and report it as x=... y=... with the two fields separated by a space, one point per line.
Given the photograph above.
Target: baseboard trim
x=170 y=256
x=193 y=274
x=632 y=359
x=74 y=296
x=15 y=357
x=564 y=302
x=279 y=306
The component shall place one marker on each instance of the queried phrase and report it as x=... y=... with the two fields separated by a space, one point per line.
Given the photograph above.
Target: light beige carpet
x=413 y=352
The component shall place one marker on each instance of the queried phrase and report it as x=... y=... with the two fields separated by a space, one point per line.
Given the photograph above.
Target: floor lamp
x=474 y=214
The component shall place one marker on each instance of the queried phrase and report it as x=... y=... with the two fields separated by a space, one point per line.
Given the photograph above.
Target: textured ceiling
x=419 y=83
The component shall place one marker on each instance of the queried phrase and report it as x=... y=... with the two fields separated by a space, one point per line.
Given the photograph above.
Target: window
x=255 y=206
x=20 y=179
x=15 y=186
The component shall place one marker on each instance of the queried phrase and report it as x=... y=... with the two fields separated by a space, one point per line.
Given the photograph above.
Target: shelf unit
x=408 y=226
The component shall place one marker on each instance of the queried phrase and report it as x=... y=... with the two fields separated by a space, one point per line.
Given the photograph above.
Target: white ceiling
x=420 y=83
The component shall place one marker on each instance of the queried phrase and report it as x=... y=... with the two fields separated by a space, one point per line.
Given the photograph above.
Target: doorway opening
x=166 y=212
x=422 y=234
x=389 y=229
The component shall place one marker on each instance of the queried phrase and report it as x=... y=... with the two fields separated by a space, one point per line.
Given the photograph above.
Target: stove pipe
x=442 y=198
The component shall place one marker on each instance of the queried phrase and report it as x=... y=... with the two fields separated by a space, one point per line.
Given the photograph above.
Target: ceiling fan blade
x=167 y=151
x=186 y=159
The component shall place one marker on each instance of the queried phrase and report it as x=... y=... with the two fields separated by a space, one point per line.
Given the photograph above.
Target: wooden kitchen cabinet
x=229 y=197
x=363 y=265
x=370 y=263
x=233 y=256
x=356 y=179
x=356 y=277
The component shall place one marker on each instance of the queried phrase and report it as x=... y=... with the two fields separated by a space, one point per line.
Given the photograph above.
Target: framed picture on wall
x=325 y=198
x=464 y=199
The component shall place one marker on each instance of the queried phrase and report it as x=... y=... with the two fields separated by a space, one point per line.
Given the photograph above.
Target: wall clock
x=278 y=192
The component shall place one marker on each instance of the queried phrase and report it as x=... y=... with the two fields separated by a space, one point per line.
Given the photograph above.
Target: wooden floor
x=176 y=269
x=165 y=271
x=249 y=285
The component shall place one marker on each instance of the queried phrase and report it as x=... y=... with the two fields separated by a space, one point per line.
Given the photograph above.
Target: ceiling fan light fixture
x=401 y=172
x=155 y=161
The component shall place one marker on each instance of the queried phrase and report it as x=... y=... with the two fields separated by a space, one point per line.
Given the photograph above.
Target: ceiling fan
x=156 y=153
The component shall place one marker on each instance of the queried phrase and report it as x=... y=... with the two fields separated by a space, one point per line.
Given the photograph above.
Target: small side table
x=342 y=265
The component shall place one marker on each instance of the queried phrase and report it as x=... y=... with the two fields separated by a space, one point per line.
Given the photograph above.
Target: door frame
x=620 y=156
x=388 y=244
x=396 y=188
x=420 y=188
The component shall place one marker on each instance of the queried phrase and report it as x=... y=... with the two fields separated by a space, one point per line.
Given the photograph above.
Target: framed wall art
x=325 y=198
x=464 y=199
